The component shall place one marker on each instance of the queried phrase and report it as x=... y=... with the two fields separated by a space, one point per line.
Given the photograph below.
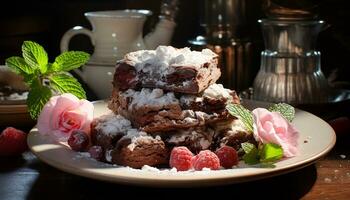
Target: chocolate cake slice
x=168 y=68
x=127 y=146
x=137 y=149
x=195 y=139
x=108 y=129
x=124 y=145
x=153 y=110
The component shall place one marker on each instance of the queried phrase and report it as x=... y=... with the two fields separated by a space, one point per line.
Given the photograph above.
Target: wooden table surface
x=26 y=177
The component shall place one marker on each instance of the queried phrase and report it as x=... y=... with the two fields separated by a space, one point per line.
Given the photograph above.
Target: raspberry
x=228 y=156
x=96 y=152
x=12 y=142
x=206 y=159
x=78 y=140
x=180 y=158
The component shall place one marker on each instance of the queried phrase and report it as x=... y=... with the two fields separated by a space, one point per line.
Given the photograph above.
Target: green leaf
x=35 y=55
x=247 y=147
x=270 y=152
x=64 y=83
x=38 y=96
x=243 y=114
x=286 y=110
x=35 y=68
x=19 y=65
x=29 y=78
x=70 y=60
x=52 y=68
x=251 y=156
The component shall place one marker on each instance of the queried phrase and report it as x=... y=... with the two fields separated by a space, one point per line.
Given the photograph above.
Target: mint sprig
x=19 y=65
x=243 y=114
x=37 y=98
x=65 y=83
x=270 y=152
x=263 y=156
x=70 y=60
x=46 y=79
x=35 y=55
x=251 y=156
x=286 y=110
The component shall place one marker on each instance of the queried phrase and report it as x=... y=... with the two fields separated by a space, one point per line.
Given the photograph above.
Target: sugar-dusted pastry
x=168 y=68
x=154 y=110
x=124 y=145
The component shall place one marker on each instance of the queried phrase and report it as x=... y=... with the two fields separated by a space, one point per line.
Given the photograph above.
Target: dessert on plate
x=166 y=98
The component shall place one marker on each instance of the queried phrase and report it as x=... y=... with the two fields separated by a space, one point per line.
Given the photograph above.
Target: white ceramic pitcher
x=115 y=33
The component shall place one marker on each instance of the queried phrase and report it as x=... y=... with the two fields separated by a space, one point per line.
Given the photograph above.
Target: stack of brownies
x=164 y=98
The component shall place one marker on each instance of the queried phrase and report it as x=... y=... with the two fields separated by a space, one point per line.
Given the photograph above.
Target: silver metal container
x=290 y=68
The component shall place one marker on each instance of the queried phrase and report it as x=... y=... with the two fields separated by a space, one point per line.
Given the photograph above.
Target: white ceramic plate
x=316 y=139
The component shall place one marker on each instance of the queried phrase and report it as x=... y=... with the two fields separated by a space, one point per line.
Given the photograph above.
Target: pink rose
x=63 y=114
x=272 y=127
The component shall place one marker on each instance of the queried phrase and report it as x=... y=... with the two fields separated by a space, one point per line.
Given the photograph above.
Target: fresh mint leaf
x=35 y=55
x=51 y=68
x=270 y=152
x=264 y=156
x=19 y=65
x=38 y=96
x=70 y=60
x=251 y=156
x=247 y=147
x=64 y=83
x=44 y=78
x=286 y=110
x=30 y=78
x=243 y=114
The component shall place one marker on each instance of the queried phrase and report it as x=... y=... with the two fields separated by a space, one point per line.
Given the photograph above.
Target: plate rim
x=204 y=181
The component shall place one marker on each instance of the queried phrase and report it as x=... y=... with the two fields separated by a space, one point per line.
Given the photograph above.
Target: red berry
x=180 y=158
x=96 y=152
x=206 y=159
x=12 y=142
x=228 y=156
x=78 y=140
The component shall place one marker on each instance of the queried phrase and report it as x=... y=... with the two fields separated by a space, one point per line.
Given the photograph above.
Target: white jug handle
x=68 y=36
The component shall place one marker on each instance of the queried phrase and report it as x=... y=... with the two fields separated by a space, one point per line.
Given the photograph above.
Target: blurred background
x=46 y=21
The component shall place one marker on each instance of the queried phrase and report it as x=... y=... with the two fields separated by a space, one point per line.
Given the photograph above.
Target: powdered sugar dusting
x=164 y=58
x=202 y=139
x=170 y=172
x=214 y=91
x=205 y=144
x=217 y=91
x=234 y=126
x=84 y=154
x=139 y=137
x=188 y=99
x=148 y=97
x=112 y=124
x=108 y=155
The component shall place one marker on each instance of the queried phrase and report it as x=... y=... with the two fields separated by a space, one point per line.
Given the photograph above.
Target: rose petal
x=64 y=103
x=63 y=114
x=44 y=119
x=272 y=127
